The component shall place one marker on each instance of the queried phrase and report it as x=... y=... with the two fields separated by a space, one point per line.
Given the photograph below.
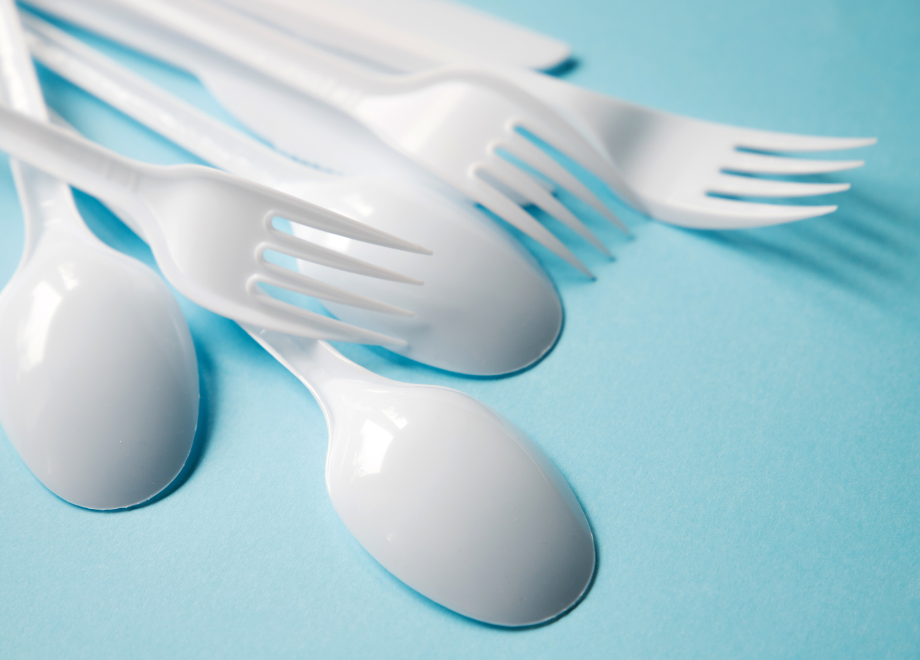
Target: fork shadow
x=866 y=247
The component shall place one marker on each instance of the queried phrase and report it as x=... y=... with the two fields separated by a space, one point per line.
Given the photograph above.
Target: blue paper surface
x=736 y=411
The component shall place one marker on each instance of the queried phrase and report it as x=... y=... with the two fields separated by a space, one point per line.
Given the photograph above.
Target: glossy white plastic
x=445 y=493
x=98 y=375
x=486 y=308
x=673 y=164
x=452 y=121
x=209 y=230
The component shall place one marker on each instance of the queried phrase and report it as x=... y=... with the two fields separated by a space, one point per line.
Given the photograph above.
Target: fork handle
x=85 y=165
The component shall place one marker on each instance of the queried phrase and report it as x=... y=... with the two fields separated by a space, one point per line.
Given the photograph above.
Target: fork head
x=688 y=171
x=215 y=230
x=456 y=122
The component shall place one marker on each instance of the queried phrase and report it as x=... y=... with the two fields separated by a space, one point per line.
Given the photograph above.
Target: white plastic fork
x=677 y=167
x=209 y=230
x=453 y=121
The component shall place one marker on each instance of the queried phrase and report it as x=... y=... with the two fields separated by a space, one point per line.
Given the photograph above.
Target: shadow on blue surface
x=867 y=247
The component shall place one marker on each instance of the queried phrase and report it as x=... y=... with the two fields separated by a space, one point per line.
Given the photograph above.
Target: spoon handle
x=78 y=161
x=18 y=84
x=43 y=198
x=315 y=363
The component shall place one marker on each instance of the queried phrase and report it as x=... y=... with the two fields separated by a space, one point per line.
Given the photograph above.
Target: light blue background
x=737 y=411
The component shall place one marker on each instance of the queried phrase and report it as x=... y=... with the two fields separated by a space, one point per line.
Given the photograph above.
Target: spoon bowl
x=445 y=493
x=99 y=380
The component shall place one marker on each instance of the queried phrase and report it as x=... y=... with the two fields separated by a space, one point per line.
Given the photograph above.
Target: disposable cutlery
x=486 y=307
x=681 y=170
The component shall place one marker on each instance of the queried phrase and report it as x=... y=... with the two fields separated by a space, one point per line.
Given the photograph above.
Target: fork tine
x=578 y=149
x=302 y=249
x=287 y=279
x=539 y=160
x=743 y=186
x=546 y=124
x=718 y=213
x=294 y=320
x=770 y=141
x=310 y=215
x=764 y=164
x=525 y=186
x=517 y=217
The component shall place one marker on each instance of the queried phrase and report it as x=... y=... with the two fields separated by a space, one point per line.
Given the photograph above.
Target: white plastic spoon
x=445 y=493
x=98 y=376
x=486 y=307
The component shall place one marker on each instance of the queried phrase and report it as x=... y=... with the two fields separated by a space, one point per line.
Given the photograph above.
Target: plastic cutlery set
x=668 y=165
x=411 y=131
x=486 y=308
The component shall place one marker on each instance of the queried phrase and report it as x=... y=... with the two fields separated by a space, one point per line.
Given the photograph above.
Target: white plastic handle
x=76 y=160
x=43 y=198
